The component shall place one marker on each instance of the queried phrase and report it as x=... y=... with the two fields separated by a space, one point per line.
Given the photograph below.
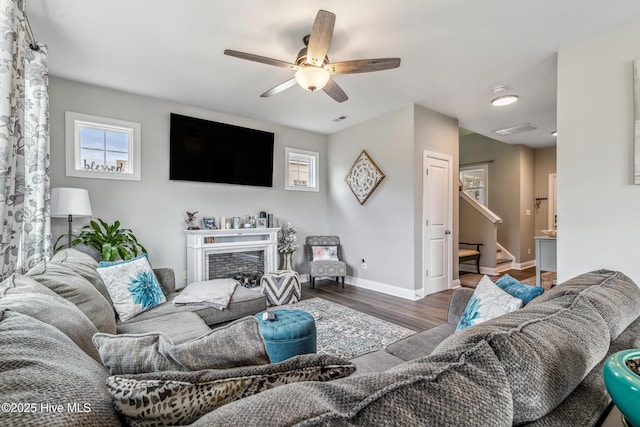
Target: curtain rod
x=33 y=44
x=477 y=163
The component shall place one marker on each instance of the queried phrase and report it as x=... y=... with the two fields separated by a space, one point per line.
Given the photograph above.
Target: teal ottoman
x=291 y=333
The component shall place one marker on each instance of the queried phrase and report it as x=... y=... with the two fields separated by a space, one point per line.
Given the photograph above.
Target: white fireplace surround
x=202 y=243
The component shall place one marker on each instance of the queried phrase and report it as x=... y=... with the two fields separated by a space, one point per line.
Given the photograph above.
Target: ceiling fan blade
x=280 y=88
x=362 y=65
x=261 y=59
x=333 y=90
x=320 y=37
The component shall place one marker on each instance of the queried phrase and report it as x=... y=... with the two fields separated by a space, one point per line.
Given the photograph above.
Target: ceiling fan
x=313 y=69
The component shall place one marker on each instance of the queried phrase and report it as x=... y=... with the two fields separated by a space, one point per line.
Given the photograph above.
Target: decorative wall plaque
x=363 y=177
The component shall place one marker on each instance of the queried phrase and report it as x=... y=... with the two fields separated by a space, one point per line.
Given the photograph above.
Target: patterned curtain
x=25 y=237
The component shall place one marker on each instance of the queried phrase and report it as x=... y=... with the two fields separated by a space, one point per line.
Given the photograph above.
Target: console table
x=545 y=256
x=201 y=244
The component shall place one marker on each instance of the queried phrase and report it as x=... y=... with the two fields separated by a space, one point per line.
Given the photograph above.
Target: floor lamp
x=70 y=202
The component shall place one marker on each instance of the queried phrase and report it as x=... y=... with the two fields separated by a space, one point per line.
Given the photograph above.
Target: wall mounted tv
x=206 y=151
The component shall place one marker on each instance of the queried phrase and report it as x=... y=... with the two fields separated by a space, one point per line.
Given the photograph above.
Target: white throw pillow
x=132 y=286
x=325 y=253
x=487 y=302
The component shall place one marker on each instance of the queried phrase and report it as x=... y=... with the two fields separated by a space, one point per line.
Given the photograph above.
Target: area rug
x=345 y=332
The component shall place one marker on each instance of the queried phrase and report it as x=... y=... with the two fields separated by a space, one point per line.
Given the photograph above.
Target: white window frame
x=314 y=168
x=75 y=121
x=485 y=188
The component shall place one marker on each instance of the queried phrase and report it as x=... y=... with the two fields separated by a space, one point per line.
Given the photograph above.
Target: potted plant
x=110 y=240
x=287 y=244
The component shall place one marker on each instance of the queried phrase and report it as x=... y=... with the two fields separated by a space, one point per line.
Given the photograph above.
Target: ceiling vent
x=515 y=129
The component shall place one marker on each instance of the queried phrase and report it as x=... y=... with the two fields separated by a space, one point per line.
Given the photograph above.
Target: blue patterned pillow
x=132 y=286
x=518 y=289
x=488 y=301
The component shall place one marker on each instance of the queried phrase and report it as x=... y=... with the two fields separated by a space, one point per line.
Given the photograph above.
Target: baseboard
x=469 y=268
x=489 y=271
x=501 y=268
x=524 y=265
x=383 y=288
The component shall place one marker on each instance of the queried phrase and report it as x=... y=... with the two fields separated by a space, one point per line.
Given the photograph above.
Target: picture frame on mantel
x=209 y=223
x=364 y=177
x=636 y=121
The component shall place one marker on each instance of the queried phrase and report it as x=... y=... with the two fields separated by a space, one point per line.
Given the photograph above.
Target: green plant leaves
x=110 y=240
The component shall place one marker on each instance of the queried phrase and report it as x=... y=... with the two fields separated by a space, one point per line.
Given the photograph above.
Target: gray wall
x=155 y=207
x=545 y=164
x=527 y=207
x=381 y=230
x=387 y=230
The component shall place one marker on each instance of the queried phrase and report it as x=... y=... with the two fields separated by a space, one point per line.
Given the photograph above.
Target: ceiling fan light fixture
x=312 y=78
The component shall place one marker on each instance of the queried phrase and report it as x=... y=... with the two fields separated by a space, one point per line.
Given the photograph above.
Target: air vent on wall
x=515 y=129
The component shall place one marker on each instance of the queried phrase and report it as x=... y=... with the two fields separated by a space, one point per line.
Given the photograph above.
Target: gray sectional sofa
x=418 y=345
x=540 y=365
x=70 y=272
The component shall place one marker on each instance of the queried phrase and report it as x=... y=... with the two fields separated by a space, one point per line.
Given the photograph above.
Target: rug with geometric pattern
x=345 y=332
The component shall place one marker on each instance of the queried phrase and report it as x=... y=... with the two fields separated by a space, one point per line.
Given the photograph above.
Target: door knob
x=447 y=231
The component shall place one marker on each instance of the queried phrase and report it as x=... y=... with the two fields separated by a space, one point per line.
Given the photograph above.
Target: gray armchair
x=324 y=254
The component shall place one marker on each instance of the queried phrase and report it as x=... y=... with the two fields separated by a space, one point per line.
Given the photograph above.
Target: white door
x=437 y=213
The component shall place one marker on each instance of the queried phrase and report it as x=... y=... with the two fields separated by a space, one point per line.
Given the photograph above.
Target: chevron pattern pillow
x=281 y=287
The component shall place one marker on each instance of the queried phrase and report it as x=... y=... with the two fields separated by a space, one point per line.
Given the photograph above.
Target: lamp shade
x=70 y=201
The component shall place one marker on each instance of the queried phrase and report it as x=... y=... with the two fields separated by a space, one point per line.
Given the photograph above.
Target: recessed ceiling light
x=502 y=97
x=554 y=133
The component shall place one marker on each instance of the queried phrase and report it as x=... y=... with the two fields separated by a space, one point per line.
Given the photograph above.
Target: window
x=475 y=180
x=99 y=147
x=301 y=170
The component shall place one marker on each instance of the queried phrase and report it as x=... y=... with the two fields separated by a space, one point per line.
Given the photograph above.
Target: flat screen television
x=207 y=151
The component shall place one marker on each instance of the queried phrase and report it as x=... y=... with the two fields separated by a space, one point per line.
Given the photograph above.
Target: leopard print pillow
x=178 y=398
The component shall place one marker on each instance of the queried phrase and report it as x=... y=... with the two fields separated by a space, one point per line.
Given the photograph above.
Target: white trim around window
x=101 y=147
x=301 y=170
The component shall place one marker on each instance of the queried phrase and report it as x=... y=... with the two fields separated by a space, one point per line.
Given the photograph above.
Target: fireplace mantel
x=202 y=243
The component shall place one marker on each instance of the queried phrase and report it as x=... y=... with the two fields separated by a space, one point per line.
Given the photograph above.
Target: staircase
x=504 y=260
x=478 y=224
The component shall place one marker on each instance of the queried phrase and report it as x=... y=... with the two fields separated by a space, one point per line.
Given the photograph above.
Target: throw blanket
x=211 y=293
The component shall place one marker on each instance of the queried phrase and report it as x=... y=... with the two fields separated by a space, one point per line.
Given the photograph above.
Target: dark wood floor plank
x=419 y=315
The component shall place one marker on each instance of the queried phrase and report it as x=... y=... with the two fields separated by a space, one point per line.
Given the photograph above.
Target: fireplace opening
x=247 y=267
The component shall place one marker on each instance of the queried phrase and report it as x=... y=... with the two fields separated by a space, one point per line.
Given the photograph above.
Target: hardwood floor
x=420 y=315
x=472 y=279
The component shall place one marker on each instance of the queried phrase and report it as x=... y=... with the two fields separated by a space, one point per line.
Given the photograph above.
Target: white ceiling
x=454 y=52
